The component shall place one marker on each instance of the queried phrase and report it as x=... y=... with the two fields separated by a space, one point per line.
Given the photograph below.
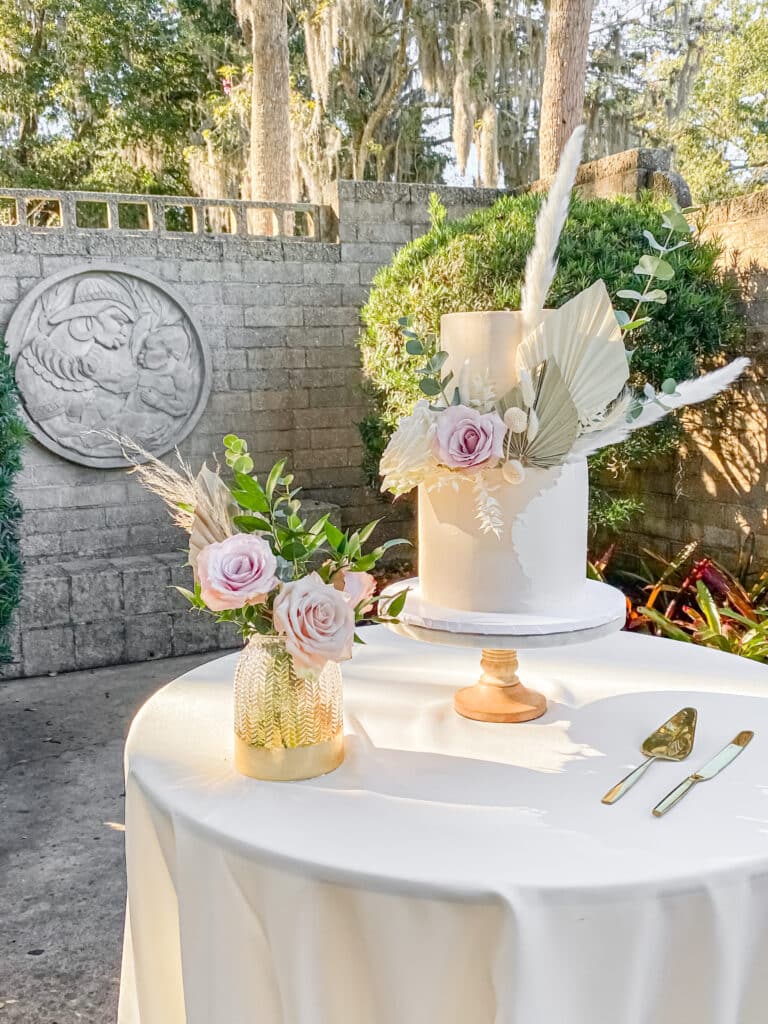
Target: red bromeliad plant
x=696 y=601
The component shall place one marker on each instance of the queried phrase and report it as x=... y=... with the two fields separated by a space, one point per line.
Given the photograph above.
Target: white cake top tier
x=483 y=345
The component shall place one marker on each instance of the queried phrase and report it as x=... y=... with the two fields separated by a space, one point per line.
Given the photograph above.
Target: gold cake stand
x=499 y=695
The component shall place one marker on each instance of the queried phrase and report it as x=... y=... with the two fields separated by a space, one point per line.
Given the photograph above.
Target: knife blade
x=708 y=771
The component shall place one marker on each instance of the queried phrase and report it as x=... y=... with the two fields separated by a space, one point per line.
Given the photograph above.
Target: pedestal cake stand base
x=499 y=695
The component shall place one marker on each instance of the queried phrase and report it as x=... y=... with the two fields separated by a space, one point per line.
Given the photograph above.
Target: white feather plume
x=689 y=392
x=541 y=264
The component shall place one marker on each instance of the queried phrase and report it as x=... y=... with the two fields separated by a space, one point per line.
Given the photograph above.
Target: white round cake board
x=597 y=611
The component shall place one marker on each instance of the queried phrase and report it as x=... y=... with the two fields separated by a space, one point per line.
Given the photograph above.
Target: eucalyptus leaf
x=669 y=386
x=629 y=293
x=634 y=324
x=243 y=464
x=653 y=243
x=655 y=266
x=656 y=295
x=429 y=387
x=622 y=317
x=674 y=220
x=414 y=347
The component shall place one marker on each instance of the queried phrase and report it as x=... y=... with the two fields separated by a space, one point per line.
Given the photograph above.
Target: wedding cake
x=536 y=560
x=514 y=402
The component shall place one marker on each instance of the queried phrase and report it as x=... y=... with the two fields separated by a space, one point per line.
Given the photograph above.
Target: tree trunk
x=270 y=142
x=562 y=103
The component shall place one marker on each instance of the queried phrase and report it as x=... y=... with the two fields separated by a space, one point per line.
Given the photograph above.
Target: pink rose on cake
x=236 y=572
x=467 y=439
x=317 y=622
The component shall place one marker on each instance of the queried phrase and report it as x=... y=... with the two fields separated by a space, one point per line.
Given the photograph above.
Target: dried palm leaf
x=556 y=417
x=585 y=341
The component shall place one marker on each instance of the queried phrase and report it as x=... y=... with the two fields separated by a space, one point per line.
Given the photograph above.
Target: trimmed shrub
x=12 y=436
x=477 y=263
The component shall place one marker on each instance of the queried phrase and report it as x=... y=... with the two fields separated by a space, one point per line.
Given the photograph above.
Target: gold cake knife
x=710 y=769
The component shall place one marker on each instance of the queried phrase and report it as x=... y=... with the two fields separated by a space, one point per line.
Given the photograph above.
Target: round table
x=453 y=871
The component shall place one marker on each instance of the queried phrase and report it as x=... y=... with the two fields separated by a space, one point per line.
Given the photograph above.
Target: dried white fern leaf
x=584 y=339
x=689 y=392
x=541 y=263
x=487 y=507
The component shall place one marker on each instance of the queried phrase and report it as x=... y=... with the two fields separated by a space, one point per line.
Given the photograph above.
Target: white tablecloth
x=455 y=872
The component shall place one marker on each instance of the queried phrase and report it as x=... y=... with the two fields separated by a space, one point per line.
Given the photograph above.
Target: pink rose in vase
x=236 y=572
x=468 y=439
x=357 y=587
x=316 y=621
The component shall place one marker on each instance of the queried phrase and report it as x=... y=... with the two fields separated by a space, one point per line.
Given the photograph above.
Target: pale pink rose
x=358 y=587
x=317 y=621
x=468 y=439
x=237 y=571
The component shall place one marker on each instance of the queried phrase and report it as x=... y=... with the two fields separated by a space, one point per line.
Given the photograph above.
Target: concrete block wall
x=281 y=321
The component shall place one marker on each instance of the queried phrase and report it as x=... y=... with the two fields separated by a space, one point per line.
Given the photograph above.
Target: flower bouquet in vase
x=294 y=590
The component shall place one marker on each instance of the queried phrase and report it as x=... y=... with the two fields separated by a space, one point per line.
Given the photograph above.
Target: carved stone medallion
x=103 y=349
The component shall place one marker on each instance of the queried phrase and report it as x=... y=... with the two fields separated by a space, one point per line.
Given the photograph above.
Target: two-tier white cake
x=537 y=562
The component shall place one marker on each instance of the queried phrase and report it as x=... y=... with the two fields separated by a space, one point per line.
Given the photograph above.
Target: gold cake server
x=672 y=741
x=710 y=769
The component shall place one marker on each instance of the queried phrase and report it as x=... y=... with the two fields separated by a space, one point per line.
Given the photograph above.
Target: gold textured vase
x=287 y=727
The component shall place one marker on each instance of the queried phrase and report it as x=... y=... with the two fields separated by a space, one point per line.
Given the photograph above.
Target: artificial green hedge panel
x=12 y=435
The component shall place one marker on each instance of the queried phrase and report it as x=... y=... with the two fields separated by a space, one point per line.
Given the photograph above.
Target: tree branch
x=385 y=100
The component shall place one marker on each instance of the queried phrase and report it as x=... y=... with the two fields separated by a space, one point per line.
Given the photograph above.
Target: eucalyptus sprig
x=655 y=267
x=432 y=383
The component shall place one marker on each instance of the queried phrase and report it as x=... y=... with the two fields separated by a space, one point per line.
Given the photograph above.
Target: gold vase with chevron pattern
x=287 y=726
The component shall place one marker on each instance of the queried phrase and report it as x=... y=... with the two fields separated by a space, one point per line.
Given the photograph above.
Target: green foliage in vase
x=12 y=436
x=272 y=510
x=477 y=263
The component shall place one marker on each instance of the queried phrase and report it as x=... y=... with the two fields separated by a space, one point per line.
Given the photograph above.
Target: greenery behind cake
x=477 y=263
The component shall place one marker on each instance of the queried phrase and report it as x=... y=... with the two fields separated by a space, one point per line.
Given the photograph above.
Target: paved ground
x=62 y=885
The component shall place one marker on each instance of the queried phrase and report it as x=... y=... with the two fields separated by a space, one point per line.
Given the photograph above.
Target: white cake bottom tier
x=537 y=565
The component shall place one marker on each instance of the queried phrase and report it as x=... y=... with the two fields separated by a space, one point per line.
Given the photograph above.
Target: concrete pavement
x=62 y=878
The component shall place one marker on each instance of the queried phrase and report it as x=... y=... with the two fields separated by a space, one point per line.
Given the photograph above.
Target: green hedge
x=477 y=263
x=12 y=436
